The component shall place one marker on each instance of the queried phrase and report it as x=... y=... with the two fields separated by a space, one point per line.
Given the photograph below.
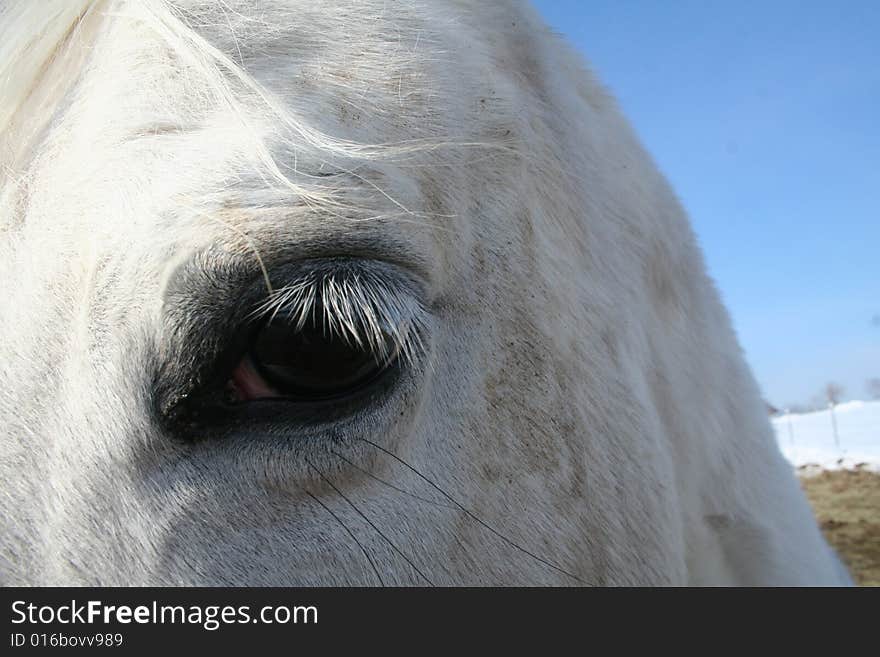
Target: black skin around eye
x=310 y=363
x=210 y=332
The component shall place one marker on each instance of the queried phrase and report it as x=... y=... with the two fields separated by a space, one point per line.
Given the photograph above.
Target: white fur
x=577 y=408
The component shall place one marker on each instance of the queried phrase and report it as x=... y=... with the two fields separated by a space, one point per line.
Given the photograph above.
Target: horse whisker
x=473 y=516
x=350 y=533
x=369 y=522
x=392 y=486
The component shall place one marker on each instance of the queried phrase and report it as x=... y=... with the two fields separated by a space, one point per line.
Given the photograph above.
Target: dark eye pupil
x=310 y=363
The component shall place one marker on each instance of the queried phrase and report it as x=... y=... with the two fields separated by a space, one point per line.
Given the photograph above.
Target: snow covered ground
x=808 y=439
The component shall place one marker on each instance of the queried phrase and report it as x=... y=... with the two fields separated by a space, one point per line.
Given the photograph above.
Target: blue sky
x=765 y=116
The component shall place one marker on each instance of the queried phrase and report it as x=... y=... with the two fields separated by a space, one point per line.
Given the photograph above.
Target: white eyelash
x=360 y=308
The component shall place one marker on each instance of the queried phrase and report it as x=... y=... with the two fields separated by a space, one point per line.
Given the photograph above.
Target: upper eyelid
x=375 y=311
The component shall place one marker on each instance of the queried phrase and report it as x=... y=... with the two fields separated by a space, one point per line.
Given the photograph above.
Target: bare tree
x=873 y=388
x=834 y=393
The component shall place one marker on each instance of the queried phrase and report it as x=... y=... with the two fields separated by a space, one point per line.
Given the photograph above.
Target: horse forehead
x=168 y=158
x=361 y=85
x=390 y=74
x=370 y=81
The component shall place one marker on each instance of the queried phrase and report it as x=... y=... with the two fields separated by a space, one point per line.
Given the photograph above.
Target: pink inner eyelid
x=246 y=383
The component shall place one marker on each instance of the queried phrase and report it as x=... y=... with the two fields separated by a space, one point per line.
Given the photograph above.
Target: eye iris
x=309 y=363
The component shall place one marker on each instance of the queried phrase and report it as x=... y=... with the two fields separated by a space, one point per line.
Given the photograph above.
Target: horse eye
x=305 y=363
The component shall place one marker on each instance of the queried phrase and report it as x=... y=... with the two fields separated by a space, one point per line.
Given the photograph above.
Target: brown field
x=847 y=505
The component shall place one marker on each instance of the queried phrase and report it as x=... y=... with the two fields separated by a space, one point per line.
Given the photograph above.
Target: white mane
x=44 y=43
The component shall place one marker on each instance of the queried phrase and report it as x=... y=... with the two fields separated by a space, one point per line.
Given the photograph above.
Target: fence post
x=834 y=425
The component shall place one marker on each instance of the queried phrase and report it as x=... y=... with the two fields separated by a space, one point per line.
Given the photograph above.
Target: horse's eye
x=302 y=364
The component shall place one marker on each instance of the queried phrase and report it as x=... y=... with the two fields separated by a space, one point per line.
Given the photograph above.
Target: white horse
x=358 y=293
